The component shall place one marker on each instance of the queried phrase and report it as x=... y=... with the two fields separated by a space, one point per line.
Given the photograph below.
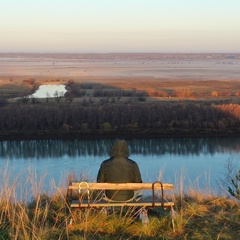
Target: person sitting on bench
x=119 y=169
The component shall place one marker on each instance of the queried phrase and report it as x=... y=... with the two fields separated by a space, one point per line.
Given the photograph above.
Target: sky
x=105 y=26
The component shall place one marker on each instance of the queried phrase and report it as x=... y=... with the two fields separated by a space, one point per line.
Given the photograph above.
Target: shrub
x=214 y=94
x=231 y=179
x=106 y=126
x=234 y=190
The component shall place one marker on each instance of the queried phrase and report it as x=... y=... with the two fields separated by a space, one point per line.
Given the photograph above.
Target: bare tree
x=47 y=97
x=3 y=101
x=58 y=96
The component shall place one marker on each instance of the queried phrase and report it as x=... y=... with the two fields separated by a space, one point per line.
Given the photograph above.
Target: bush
x=231 y=179
x=235 y=189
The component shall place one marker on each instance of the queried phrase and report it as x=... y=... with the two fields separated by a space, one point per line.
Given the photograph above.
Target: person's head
x=119 y=149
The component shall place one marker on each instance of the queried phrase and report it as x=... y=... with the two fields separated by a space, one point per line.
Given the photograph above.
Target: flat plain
x=201 y=74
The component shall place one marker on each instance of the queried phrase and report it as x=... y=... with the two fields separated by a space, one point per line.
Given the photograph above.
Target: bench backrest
x=120 y=186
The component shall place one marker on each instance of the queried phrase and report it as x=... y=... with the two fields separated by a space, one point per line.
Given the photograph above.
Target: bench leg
x=72 y=218
x=104 y=211
x=173 y=215
x=144 y=217
x=70 y=223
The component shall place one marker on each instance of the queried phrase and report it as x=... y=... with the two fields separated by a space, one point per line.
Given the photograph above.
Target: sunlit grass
x=199 y=215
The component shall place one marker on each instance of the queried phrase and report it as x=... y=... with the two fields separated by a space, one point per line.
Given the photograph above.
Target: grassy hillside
x=35 y=214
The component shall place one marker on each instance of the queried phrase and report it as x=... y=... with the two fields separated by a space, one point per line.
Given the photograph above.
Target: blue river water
x=196 y=163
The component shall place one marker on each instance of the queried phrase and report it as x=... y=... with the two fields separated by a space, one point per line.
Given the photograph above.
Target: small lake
x=49 y=91
x=197 y=162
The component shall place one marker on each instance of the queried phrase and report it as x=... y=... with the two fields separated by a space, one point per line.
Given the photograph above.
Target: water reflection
x=49 y=90
x=57 y=148
x=201 y=159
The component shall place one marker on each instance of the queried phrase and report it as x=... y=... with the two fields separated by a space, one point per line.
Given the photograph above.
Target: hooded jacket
x=119 y=169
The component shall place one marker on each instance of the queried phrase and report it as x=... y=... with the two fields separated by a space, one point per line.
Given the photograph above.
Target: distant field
x=160 y=75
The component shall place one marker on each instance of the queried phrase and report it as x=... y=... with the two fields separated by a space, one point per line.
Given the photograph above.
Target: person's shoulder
x=107 y=161
x=132 y=161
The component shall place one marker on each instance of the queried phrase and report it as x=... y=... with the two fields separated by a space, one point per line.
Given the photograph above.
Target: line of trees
x=185 y=116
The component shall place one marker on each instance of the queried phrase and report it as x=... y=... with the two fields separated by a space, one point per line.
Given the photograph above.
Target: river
x=195 y=162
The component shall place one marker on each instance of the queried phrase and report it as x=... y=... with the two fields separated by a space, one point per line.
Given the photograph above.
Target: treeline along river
x=198 y=162
x=32 y=121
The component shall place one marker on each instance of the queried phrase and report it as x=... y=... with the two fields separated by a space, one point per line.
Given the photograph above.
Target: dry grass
x=162 y=74
x=47 y=216
x=159 y=89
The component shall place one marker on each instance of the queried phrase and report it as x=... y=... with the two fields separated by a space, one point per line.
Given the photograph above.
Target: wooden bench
x=84 y=191
x=85 y=188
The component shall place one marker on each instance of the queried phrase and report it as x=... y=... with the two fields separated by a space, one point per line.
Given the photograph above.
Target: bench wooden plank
x=119 y=186
x=142 y=203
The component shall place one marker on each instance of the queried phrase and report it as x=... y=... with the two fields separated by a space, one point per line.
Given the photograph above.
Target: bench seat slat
x=119 y=186
x=141 y=203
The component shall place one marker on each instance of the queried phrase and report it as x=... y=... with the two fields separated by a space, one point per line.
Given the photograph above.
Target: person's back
x=119 y=169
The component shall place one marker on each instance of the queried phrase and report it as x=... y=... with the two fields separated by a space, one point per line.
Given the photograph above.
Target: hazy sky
x=119 y=25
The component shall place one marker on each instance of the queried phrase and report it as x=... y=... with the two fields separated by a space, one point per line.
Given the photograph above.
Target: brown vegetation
x=145 y=94
x=48 y=216
x=117 y=115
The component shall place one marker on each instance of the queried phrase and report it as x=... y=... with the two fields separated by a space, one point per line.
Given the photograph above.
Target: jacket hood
x=119 y=149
